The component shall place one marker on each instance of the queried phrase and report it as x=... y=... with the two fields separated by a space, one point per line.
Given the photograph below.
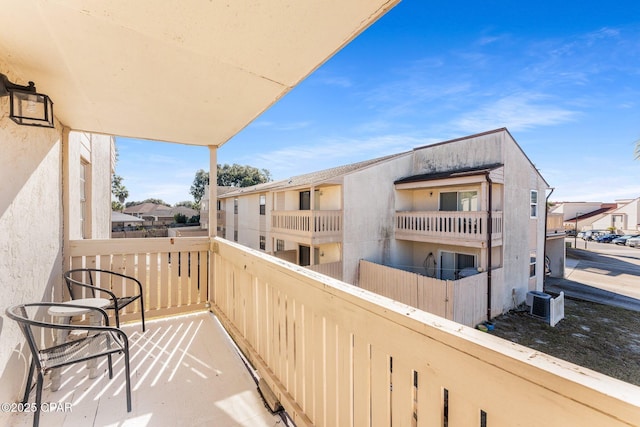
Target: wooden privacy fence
x=331 y=269
x=174 y=271
x=463 y=301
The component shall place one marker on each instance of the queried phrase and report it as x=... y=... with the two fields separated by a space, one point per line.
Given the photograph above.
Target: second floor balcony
x=309 y=226
x=333 y=354
x=468 y=228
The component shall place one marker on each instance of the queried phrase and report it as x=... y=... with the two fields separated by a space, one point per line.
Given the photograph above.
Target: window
x=534 y=204
x=454 y=266
x=219 y=205
x=235 y=206
x=461 y=201
x=279 y=245
x=263 y=242
x=532 y=264
x=305 y=200
x=263 y=203
x=304 y=255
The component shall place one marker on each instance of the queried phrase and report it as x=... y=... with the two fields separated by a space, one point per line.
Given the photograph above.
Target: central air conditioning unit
x=540 y=304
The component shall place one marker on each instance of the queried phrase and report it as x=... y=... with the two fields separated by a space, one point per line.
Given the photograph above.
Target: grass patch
x=603 y=338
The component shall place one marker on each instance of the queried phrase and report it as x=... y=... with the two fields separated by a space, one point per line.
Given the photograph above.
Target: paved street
x=602 y=272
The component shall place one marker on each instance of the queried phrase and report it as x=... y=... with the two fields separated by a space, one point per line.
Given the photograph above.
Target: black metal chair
x=80 y=278
x=99 y=341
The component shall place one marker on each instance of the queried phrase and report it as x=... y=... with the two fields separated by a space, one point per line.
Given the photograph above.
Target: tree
x=229 y=176
x=118 y=189
x=197 y=188
x=180 y=218
x=154 y=201
x=241 y=176
x=187 y=204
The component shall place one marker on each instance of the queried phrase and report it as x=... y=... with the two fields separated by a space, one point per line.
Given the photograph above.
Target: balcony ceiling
x=187 y=71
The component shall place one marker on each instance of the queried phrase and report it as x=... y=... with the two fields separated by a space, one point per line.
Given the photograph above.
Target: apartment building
x=474 y=205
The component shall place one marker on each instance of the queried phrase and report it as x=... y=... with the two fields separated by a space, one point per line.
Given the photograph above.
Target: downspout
x=489 y=236
x=544 y=255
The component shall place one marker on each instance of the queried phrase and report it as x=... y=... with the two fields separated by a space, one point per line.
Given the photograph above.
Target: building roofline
x=469 y=171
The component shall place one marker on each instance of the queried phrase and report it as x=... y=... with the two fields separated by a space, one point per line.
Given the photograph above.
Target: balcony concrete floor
x=185 y=371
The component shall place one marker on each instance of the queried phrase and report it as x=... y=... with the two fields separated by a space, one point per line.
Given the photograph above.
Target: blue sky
x=563 y=77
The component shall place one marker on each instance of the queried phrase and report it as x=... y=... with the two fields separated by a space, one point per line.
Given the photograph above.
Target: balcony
x=184 y=369
x=555 y=225
x=308 y=226
x=333 y=354
x=455 y=228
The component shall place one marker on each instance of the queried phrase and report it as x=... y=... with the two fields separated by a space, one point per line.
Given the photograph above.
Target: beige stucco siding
x=478 y=151
x=95 y=151
x=369 y=207
x=522 y=233
x=30 y=231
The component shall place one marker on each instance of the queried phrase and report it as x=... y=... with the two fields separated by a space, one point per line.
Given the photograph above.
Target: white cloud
x=518 y=111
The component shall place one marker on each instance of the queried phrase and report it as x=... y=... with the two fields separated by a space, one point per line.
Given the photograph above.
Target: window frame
x=458 y=194
x=263 y=204
x=533 y=205
x=533 y=261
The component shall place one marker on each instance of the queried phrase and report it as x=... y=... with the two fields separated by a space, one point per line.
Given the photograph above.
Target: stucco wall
x=30 y=232
x=473 y=152
x=522 y=234
x=96 y=152
x=369 y=205
x=251 y=225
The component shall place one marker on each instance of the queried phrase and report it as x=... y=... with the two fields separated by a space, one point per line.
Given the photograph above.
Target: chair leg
x=127 y=372
x=27 y=389
x=117 y=314
x=110 y=367
x=36 y=414
x=142 y=314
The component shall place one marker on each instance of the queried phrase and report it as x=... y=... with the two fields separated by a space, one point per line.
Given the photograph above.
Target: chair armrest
x=55 y=325
x=111 y=294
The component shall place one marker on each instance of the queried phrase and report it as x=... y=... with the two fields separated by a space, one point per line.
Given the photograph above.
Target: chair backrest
x=77 y=281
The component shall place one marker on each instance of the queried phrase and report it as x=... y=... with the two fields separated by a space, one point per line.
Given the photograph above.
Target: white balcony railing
x=173 y=271
x=462 y=226
x=337 y=355
x=307 y=223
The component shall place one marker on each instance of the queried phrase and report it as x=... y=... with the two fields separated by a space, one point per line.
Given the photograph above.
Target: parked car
x=570 y=232
x=592 y=234
x=606 y=238
x=634 y=242
x=622 y=240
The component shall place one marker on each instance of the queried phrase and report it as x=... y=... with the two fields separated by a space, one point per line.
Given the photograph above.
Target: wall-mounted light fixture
x=26 y=107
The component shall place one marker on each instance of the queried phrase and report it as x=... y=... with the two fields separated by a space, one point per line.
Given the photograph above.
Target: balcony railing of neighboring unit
x=452 y=225
x=316 y=223
x=555 y=224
